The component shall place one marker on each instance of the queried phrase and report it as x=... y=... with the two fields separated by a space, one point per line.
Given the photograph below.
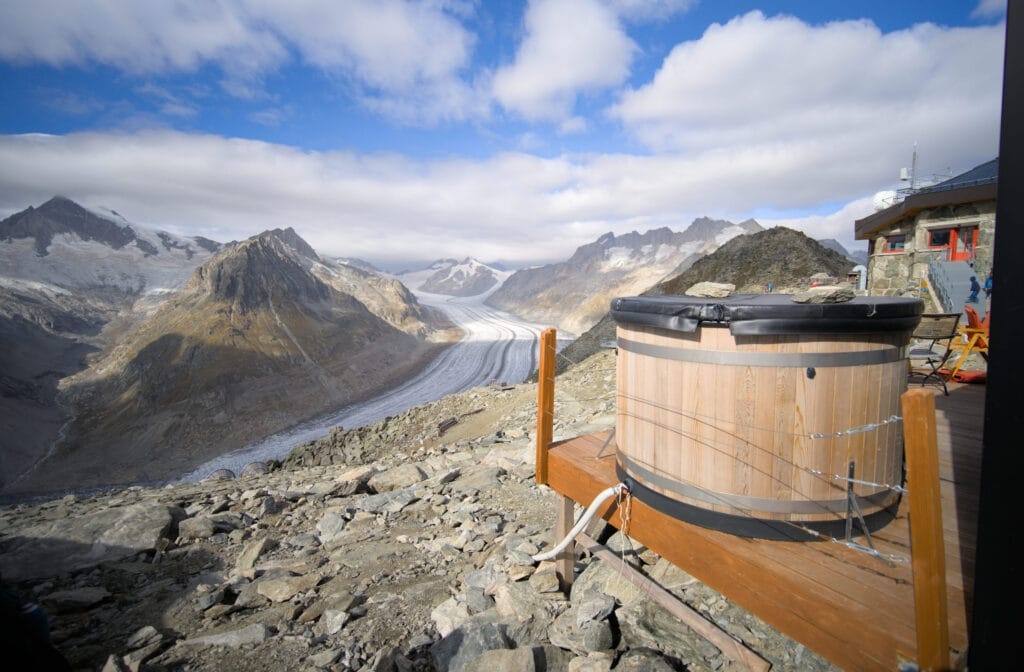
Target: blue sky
x=401 y=131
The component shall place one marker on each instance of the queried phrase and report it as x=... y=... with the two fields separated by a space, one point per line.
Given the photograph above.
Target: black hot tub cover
x=765 y=314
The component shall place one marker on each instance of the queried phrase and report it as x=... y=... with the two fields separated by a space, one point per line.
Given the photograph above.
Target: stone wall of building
x=902 y=273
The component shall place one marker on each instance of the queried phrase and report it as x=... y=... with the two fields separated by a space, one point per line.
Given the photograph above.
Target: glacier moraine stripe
x=773 y=359
x=646 y=476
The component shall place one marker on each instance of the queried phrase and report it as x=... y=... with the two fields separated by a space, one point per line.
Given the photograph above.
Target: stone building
x=931 y=242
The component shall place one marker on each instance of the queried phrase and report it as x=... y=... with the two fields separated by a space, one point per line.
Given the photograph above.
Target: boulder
x=825 y=294
x=250 y=634
x=67 y=544
x=397 y=478
x=711 y=290
x=459 y=648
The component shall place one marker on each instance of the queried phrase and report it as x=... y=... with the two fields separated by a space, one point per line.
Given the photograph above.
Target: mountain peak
x=258 y=271
x=61 y=215
x=293 y=240
x=778 y=255
x=468 y=277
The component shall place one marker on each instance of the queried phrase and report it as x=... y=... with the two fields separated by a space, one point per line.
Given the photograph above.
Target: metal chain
x=856 y=481
x=857 y=430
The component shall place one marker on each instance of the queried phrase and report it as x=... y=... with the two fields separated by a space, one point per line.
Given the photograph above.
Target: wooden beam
x=926 y=543
x=545 y=402
x=814 y=611
x=730 y=647
x=566 y=560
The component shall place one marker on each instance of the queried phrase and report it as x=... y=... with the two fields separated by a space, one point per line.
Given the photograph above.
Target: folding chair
x=937 y=334
x=974 y=338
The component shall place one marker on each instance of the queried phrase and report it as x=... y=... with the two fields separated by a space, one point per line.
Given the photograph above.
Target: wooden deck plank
x=845 y=605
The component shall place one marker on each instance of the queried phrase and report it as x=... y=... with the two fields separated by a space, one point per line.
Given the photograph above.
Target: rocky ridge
x=782 y=257
x=400 y=546
x=574 y=294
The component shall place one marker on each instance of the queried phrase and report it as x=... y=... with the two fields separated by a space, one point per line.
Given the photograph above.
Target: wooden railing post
x=927 y=549
x=545 y=402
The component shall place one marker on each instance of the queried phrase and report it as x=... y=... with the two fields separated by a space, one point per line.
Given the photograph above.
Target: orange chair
x=977 y=334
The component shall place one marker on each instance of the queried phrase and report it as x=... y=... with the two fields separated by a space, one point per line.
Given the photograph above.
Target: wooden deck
x=850 y=607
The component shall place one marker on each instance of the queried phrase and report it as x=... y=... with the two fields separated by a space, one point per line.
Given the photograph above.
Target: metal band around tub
x=748 y=526
x=772 y=359
x=755 y=504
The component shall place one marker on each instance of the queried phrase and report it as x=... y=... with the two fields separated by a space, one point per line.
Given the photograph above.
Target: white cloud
x=843 y=88
x=758 y=115
x=402 y=55
x=989 y=8
x=838 y=224
x=645 y=10
x=172 y=105
x=513 y=206
x=137 y=37
x=569 y=47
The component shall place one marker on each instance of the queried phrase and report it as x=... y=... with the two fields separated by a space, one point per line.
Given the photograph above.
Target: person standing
x=975 y=288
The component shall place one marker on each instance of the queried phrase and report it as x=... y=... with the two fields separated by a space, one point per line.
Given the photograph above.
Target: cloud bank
x=764 y=116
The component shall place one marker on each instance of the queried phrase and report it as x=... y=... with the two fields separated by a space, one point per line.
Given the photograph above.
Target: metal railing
x=941 y=283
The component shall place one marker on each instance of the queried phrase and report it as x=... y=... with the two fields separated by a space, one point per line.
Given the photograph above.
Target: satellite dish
x=884 y=199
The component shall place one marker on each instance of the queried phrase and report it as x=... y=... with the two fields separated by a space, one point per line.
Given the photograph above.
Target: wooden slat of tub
x=845 y=605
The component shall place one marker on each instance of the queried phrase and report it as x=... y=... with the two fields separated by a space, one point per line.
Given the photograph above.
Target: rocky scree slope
x=780 y=256
x=253 y=344
x=409 y=551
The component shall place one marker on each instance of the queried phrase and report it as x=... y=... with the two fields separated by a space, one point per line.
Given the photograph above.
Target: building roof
x=986 y=173
x=977 y=184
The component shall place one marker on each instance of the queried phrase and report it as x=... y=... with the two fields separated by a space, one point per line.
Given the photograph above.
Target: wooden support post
x=926 y=545
x=566 y=560
x=545 y=402
x=730 y=647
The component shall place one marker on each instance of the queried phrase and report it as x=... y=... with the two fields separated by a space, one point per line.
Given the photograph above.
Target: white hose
x=591 y=511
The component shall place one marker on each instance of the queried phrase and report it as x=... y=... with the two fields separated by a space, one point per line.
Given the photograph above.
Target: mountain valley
x=139 y=353
x=136 y=355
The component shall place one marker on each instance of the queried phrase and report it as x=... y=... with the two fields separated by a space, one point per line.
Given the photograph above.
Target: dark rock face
x=257 y=271
x=207 y=244
x=61 y=215
x=780 y=256
x=67 y=544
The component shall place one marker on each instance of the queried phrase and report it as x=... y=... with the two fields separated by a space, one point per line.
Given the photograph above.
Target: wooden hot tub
x=748 y=413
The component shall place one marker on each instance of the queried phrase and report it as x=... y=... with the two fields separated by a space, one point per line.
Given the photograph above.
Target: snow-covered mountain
x=254 y=343
x=468 y=277
x=574 y=294
x=64 y=244
x=121 y=342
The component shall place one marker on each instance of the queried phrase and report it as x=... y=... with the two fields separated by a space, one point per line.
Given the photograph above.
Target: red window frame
x=890 y=244
x=950 y=235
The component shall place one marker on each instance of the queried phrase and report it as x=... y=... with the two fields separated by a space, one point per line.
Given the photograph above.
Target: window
x=894 y=244
x=939 y=238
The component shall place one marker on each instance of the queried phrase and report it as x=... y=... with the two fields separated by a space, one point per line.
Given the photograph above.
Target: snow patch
x=616 y=257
